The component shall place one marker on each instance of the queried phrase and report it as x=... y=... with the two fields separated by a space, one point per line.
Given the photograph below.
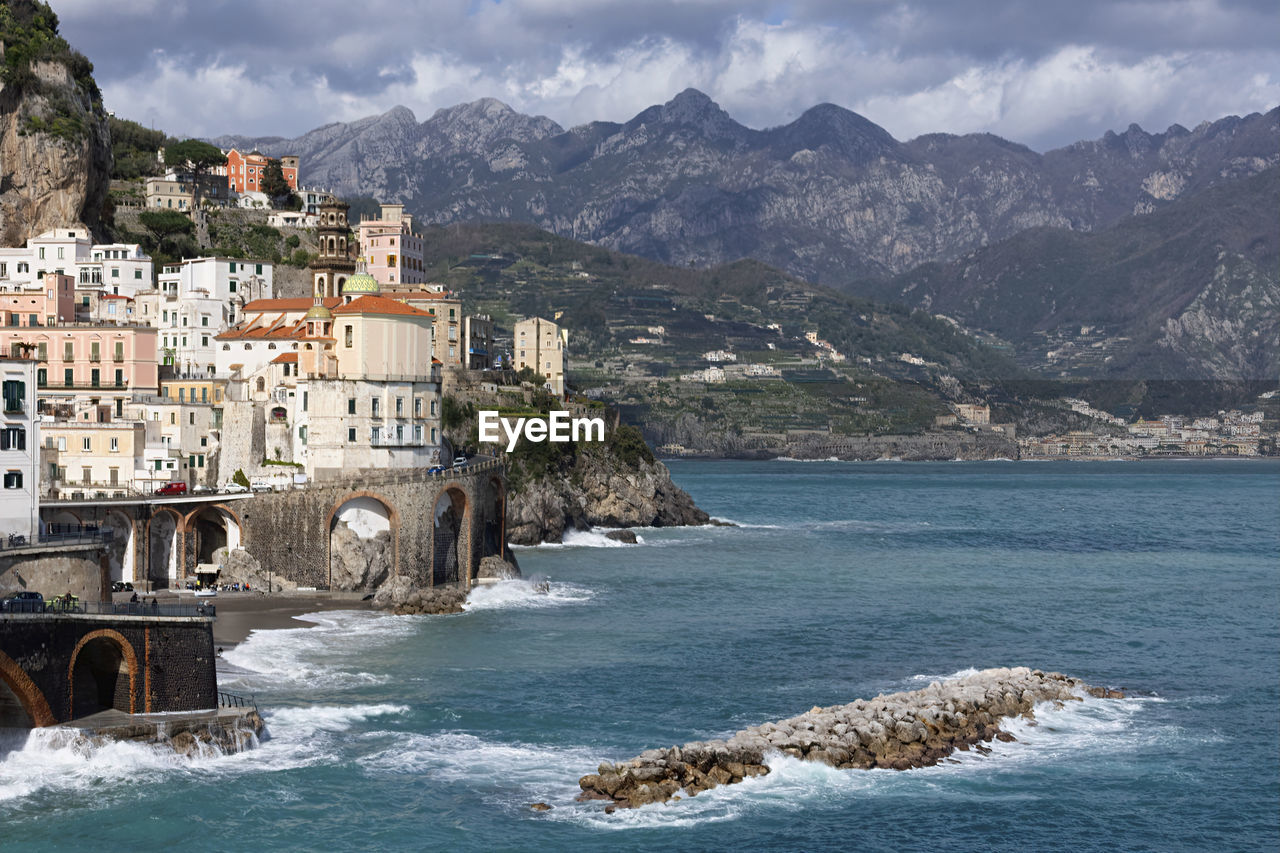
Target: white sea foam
x=523 y=594
x=594 y=538
x=327 y=655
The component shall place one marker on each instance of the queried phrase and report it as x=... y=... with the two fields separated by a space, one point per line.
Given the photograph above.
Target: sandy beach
x=242 y=612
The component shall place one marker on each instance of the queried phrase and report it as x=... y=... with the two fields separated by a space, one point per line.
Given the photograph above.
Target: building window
x=351 y=434
x=137 y=273
x=13 y=438
x=348 y=336
x=375 y=404
x=115 y=445
x=13 y=479
x=302 y=434
x=399 y=407
x=351 y=405
x=85 y=444
x=15 y=395
x=417 y=407
x=374 y=434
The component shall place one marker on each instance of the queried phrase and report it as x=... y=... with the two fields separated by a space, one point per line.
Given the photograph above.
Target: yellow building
x=540 y=345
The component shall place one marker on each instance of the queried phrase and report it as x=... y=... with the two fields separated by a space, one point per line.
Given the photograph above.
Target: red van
x=172 y=489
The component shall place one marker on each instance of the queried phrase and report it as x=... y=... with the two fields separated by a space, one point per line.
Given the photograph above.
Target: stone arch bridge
x=433 y=529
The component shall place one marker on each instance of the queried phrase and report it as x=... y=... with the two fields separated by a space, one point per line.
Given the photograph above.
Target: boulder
x=625 y=536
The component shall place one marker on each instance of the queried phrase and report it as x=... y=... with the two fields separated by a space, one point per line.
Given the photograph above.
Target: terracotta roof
x=379 y=305
x=299 y=304
x=285 y=358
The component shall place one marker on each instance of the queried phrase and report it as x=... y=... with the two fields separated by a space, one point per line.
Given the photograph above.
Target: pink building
x=85 y=363
x=53 y=303
x=391 y=248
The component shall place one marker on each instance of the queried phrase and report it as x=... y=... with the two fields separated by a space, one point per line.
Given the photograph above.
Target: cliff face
x=599 y=490
x=55 y=155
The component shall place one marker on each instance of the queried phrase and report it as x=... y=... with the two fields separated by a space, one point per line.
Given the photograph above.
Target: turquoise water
x=843 y=580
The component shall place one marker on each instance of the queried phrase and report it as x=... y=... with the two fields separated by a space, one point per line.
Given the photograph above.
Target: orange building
x=246 y=171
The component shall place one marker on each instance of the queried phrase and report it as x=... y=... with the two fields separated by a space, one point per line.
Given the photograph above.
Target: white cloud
x=912 y=66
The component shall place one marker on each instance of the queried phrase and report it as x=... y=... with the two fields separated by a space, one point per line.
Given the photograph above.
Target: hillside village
x=127 y=377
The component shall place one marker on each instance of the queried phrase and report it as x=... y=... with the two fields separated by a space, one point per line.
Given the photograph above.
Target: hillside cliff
x=55 y=148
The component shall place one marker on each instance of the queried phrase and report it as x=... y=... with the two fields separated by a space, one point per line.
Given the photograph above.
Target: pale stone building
x=540 y=344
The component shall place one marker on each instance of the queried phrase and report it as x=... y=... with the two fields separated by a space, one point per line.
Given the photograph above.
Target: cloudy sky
x=1036 y=71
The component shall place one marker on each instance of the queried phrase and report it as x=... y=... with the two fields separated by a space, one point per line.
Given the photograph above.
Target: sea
x=838 y=581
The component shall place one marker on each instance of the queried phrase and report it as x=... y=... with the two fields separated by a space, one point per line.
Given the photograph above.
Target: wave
x=523 y=594
x=594 y=538
x=324 y=656
x=794 y=459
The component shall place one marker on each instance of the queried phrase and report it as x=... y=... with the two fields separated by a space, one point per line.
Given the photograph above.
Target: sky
x=1041 y=72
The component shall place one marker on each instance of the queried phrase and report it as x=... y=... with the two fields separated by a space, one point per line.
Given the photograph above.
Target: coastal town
x=124 y=378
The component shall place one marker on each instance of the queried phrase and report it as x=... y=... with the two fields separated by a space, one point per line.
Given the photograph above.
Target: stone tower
x=333 y=265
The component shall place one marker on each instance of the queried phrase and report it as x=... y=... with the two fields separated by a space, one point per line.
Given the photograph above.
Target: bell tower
x=333 y=264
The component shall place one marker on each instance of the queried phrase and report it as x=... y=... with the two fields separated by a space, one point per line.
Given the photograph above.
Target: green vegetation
x=29 y=31
x=240 y=479
x=134 y=148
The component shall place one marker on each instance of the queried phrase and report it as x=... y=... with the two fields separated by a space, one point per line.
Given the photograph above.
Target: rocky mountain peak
x=837 y=128
x=694 y=109
x=476 y=125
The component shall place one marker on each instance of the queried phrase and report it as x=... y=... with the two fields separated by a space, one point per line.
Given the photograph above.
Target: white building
x=196 y=300
x=117 y=268
x=19 y=451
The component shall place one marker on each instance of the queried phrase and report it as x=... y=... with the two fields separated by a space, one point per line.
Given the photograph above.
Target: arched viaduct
x=440 y=526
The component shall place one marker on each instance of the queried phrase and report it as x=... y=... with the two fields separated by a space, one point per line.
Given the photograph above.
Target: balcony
x=14 y=406
x=71 y=386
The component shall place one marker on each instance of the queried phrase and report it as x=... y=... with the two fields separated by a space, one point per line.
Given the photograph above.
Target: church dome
x=361 y=283
x=319 y=312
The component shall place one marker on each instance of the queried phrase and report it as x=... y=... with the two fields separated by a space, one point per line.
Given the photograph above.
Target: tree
x=240 y=479
x=165 y=223
x=198 y=156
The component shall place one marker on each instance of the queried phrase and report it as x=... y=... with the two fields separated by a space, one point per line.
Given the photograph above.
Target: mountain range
x=835 y=199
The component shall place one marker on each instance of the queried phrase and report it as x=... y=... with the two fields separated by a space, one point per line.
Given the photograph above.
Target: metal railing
x=60 y=606
x=73 y=536
x=231 y=700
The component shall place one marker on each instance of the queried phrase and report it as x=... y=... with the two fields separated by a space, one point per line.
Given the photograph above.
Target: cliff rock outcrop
x=599 y=490
x=900 y=731
x=55 y=148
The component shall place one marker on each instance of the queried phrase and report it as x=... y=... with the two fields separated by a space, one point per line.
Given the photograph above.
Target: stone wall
x=164 y=664
x=56 y=569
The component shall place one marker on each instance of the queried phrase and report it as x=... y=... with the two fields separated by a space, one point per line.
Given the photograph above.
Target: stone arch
x=209 y=534
x=164 y=548
x=30 y=702
x=363 y=514
x=450 y=537
x=95 y=680
x=64 y=520
x=121 y=553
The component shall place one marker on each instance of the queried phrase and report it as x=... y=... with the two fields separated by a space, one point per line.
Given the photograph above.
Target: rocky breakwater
x=919 y=728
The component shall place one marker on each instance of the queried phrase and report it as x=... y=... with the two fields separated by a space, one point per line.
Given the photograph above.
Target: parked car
x=23 y=602
x=261 y=486
x=121 y=586
x=200 y=490
x=234 y=488
x=175 y=488
x=436 y=469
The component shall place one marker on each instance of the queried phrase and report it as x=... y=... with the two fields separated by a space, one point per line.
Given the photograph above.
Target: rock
x=239 y=566
x=915 y=729
x=401 y=597
x=496 y=567
x=52 y=178
x=540 y=807
x=621 y=536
